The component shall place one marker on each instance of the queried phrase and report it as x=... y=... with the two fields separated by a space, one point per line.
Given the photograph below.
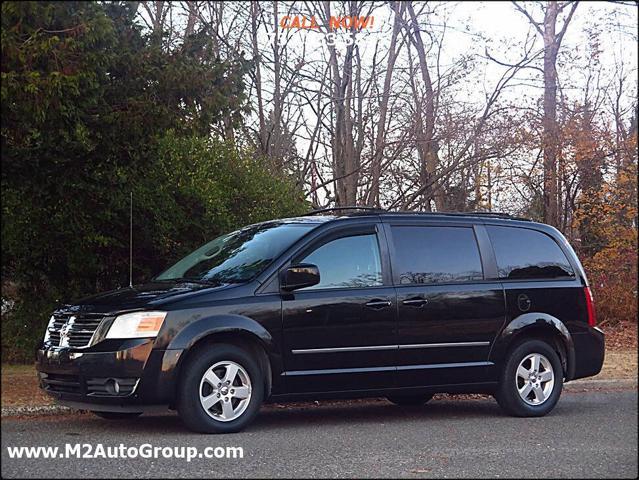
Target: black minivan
x=369 y=303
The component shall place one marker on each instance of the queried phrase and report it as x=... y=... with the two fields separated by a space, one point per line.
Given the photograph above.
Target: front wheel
x=531 y=381
x=221 y=390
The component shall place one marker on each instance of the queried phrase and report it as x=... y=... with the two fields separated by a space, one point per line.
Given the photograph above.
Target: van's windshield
x=239 y=256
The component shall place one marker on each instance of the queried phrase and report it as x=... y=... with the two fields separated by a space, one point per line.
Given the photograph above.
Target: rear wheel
x=531 y=381
x=410 y=400
x=117 y=415
x=221 y=390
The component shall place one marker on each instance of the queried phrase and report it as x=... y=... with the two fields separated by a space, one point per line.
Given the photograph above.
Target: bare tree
x=397 y=121
x=552 y=35
x=424 y=124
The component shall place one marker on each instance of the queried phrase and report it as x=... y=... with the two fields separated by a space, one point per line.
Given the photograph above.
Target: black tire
x=117 y=415
x=507 y=394
x=410 y=400
x=189 y=407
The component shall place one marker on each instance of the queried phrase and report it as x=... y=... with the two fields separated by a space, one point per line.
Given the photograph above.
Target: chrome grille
x=77 y=329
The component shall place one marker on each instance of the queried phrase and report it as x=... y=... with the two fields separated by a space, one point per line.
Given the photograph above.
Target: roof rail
x=339 y=209
x=470 y=214
x=374 y=210
x=497 y=215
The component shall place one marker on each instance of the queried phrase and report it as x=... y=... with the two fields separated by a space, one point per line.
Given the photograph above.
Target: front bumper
x=129 y=375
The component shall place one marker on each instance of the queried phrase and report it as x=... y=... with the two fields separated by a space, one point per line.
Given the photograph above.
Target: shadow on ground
x=300 y=416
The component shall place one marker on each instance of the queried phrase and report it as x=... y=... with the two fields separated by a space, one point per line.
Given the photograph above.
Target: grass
x=20 y=387
x=619 y=364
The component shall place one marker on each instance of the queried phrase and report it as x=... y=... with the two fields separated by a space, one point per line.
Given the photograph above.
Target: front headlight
x=47 y=334
x=137 y=325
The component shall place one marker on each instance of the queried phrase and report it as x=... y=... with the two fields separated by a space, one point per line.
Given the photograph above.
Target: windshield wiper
x=189 y=280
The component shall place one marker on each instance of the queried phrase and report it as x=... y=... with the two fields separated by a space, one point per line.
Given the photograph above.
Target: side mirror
x=300 y=276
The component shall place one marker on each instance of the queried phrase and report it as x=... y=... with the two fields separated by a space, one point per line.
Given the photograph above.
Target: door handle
x=378 y=304
x=415 y=302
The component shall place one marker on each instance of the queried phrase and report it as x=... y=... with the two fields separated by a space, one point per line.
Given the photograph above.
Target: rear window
x=436 y=254
x=525 y=253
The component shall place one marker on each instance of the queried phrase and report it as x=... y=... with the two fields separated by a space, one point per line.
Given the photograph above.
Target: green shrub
x=93 y=109
x=194 y=190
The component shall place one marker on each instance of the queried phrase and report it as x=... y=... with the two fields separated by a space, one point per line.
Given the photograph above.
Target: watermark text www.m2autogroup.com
x=121 y=451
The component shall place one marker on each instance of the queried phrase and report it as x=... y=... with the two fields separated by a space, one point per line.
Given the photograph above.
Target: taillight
x=590 y=307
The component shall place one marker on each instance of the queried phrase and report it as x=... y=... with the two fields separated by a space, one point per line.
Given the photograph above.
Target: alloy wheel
x=225 y=391
x=535 y=379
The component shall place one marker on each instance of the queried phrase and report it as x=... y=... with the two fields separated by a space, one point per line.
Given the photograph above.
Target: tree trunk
x=380 y=139
x=550 y=129
x=191 y=18
x=261 y=136
x=275 y=135
x=427 y=148
x=345 y=165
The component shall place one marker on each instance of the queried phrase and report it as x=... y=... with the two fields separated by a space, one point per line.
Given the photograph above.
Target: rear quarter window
x=523 y=253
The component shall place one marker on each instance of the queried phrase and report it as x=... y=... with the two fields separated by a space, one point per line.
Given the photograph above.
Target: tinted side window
x=436 y=254
x=347 y=262
x=525 y=253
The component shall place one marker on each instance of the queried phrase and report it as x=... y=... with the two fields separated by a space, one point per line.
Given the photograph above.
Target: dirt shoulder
x=621 y=353
x=20 y=387
x=620 y=364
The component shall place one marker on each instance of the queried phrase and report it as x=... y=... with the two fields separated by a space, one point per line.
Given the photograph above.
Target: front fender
x=175 y=348
x=197 y=330
x=527 y=325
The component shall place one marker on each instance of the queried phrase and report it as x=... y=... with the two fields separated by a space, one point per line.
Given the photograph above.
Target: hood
x=152 y=294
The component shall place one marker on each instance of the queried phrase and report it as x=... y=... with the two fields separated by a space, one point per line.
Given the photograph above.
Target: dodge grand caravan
x=358 y=304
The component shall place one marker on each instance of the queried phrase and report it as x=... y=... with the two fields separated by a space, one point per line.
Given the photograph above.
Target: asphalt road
x=589 y=434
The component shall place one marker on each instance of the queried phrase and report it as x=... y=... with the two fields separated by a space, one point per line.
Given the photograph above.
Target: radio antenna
x=131 y=243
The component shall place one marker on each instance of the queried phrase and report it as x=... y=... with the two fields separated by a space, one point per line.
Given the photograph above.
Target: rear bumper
x=130 y=377
x=589 y=352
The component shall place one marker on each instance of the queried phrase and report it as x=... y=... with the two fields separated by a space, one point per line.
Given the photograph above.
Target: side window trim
x=343 y=232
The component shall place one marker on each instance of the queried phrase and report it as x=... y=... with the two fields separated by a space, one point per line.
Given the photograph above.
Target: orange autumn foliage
x=612 y=269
